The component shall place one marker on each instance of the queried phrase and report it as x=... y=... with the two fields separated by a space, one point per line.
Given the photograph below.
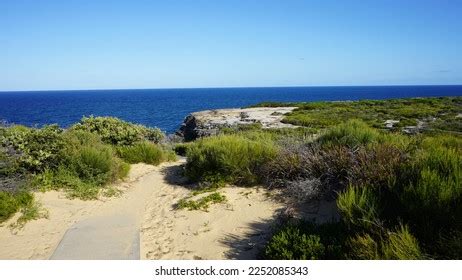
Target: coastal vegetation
x=82 y=160
x=398 y=194
x=431 y=114
x=392 y=169
x=228 y=158
x=202 y=203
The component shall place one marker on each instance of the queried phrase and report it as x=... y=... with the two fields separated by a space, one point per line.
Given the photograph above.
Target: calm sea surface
x=166 y=108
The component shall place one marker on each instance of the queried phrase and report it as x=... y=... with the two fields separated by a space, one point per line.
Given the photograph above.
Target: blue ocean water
x=166 y=108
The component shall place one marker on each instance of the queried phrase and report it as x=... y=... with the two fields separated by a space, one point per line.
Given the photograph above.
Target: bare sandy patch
x=236 y=229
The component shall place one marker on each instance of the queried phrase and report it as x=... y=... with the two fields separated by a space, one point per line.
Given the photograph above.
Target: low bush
x=363 y=247
x=98 y=166
x=351 y=133
x=86 y=166
x=431 y=190
x=11 y=203
x=306 y=240
x=313 y=171
x=81 y=160
x=118 y=132
x=401 y=245
x=142 y=152
x=231 y=158
x=292 y=244
x=37 y=149
x=7 y=162
x=74 y=186
x=358 y=206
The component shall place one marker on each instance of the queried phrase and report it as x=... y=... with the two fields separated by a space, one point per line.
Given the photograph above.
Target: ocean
x=166 y=108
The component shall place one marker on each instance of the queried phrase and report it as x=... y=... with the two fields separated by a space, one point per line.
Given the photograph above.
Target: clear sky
x=96 y=44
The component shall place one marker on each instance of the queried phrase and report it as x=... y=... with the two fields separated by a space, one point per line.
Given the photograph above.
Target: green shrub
x=90 y=159
x=401 y=245
x=9 y=163
x=142 y=152
x=307 y=240
x=394 y=245
x=74 y=186
x=11 y=203
x=75 y=139
x=38 y=149
x=292 y=244
x=352 y=133
x=437 y=176
x=118 y=132
x=363 y=247
x=431 y=191
x=358 y=206
x=443 y=140
x=96 y=165
x=233 y=158
x=87 y=165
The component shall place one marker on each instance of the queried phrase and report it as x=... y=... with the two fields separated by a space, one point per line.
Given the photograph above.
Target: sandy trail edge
x=39 y=238
x=145 y=210
x=233 y=230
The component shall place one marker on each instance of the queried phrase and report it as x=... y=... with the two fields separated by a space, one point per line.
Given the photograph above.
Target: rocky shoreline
x=208 y=123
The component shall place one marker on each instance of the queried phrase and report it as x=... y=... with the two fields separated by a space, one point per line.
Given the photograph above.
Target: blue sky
x=163 y=44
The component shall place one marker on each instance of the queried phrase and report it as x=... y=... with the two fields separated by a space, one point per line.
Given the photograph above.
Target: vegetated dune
x=143 y=223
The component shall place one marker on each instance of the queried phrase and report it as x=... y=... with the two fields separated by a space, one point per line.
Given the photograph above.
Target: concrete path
x=113 y=232
x=114 y=237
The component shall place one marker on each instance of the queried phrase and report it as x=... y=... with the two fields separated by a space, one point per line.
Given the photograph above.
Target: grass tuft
x=228 y=158
x=201 y=203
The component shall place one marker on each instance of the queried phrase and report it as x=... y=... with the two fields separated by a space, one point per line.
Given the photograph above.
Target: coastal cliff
x=208 y=123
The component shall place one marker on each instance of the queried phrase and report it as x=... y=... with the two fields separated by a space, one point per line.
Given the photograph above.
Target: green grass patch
x=23 y=201
x=201 y=203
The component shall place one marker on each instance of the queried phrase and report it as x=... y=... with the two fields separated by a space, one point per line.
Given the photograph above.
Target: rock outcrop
x=207 y=123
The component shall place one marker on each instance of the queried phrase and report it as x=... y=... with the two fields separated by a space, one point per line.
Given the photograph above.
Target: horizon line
x=232 y=87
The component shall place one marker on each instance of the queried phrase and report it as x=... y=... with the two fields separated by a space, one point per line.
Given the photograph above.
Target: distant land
x=166 y=108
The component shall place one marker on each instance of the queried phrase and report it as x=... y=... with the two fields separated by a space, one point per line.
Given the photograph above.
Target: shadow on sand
x=251 y=245
x=174 y=175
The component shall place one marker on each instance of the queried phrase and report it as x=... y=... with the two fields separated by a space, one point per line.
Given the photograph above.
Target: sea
x=166 y=108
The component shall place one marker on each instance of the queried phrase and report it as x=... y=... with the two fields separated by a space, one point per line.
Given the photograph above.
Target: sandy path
x=142 y=223
x=234 y=230
x=39 y=238
x=112 y=232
